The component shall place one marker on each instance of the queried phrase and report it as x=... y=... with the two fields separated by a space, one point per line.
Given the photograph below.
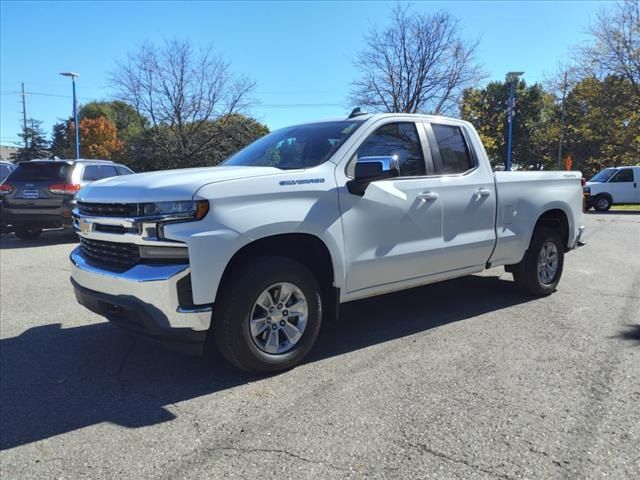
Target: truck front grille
x=109 y=209
x=110 y=255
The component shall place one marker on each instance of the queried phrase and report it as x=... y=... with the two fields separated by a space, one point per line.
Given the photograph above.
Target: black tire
x=602 y=203
x=230 y=323
x=27 y=233
x=526 y=273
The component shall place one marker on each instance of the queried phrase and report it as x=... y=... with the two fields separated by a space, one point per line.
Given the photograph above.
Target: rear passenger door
x=466 y=192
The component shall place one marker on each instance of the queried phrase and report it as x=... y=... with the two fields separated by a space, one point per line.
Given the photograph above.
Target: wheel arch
x=308 y=249
x=556 y=219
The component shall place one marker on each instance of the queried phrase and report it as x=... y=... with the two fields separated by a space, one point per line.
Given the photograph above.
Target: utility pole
x=564 y=97
x=24 y=117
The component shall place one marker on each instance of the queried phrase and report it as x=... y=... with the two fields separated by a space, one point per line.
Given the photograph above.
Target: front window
x=604 y=175
x=301 y=146
x=398 y=140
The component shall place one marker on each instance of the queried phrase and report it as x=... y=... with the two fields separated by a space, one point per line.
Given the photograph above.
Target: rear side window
x=5 y=170
x=122 y=170
x=454 y=153
x=98 y=172
x=400 y=140
x=40 y=172
x=624 y=175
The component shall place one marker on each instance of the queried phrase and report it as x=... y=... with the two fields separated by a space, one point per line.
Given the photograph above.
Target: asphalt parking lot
x=465 y=379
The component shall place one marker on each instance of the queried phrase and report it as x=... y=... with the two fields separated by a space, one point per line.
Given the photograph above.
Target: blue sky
x=297 y=52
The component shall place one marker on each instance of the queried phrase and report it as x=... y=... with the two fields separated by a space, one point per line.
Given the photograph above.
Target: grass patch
x=633 y=208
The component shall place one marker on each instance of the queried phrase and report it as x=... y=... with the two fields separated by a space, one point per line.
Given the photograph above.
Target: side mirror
x=370 y=169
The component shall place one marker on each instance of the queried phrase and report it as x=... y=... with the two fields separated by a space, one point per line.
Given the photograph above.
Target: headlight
x=586 y=190
x=190 y=209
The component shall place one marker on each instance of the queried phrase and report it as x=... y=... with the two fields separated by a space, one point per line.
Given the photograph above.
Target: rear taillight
x=64 y=188
x=5 y=189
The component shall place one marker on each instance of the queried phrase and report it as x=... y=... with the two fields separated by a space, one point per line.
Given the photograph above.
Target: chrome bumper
x=579 y=241
x=147 y=293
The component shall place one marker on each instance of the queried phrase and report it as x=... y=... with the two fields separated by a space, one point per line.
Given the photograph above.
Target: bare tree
x=180 y=92
x=418 y=63
x=616 y=46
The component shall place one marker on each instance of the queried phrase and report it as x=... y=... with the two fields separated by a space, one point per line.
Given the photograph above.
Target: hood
x=165 y=185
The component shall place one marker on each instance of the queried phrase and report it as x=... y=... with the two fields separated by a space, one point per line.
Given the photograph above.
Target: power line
x=257 y=105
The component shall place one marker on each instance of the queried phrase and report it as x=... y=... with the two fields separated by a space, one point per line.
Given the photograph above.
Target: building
x=6 y=152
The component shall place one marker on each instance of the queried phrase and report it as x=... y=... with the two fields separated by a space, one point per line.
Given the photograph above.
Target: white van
x=613 y=186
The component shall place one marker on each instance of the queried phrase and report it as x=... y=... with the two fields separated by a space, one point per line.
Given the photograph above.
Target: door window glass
x=624 y=175
x=454 y=153
x=400 y=140
x=122 y=170
x=98 y=172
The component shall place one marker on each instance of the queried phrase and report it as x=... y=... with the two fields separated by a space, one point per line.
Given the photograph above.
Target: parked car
x=40 y=193
x=257 y=252
x=613 y=186
x=5 y=169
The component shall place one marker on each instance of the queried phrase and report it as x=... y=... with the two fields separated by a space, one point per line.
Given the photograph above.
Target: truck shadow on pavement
x=55 y=380
x=632 y=333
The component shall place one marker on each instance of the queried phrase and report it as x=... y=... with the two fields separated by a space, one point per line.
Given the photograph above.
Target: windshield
x=301 y=146
x=604 y=175
x=40 y=171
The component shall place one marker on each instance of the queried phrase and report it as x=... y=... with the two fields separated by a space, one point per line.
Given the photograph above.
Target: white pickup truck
x=254 y=254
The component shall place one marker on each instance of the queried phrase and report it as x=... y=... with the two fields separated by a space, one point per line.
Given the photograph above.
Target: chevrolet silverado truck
x=253 y=255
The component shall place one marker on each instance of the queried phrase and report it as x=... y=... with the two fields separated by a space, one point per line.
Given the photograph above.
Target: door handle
x=482 y=192
x=428 y=196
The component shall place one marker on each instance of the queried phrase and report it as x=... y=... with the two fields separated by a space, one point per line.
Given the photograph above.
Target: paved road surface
x=467 y=379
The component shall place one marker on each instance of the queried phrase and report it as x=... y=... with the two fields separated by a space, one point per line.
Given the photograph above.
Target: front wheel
x=27 y=233
x=540 y=270
x=602 y=203
x=268 y=316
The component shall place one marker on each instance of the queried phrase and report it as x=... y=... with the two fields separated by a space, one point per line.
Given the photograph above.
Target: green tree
x=37 y=145
x=125 y=118
x=603 y=123
x=533 y=124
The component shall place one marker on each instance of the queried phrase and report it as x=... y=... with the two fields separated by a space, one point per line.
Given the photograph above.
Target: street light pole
x=512 y=77
x=75 y=110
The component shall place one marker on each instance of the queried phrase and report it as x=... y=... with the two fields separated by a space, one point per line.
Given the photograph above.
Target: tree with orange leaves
x=98 y=138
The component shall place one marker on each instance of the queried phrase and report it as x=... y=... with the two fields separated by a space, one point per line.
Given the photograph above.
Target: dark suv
x=40 y=193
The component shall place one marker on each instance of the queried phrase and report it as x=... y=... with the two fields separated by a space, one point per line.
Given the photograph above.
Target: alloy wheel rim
x=548 y=263
x=278 y=318
x=603 y=203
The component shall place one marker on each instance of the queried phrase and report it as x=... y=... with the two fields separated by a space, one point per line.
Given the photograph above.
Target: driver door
x=393 y=232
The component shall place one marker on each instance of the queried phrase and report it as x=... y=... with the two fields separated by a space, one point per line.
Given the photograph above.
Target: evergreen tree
x=37 y=144
x=61 y=143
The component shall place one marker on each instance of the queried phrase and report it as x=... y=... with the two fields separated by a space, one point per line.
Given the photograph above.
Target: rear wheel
x=540 y=270
x=27 y=233
x=268 y=316
x=602 y=203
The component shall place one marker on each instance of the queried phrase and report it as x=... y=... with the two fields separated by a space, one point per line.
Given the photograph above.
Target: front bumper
x=143 y=300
